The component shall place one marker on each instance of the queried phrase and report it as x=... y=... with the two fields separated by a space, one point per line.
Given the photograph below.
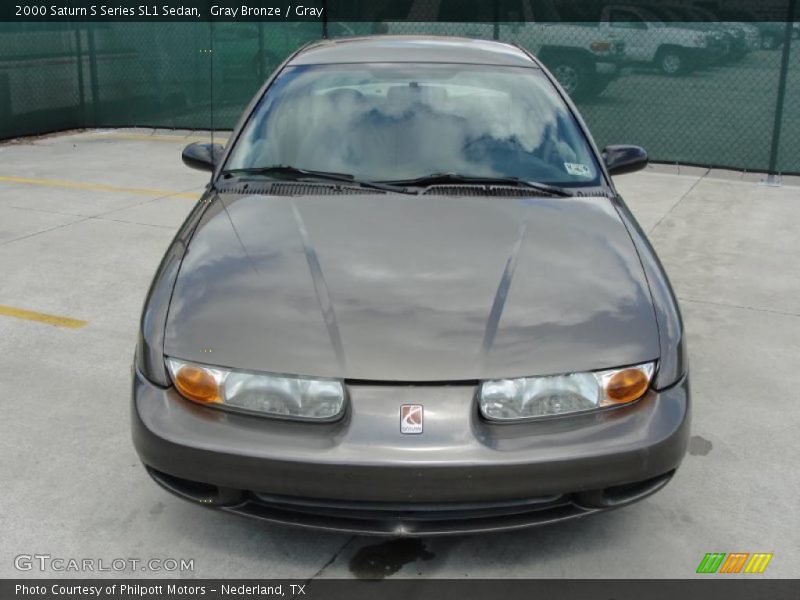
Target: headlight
x=531 y=397
x=273 y=395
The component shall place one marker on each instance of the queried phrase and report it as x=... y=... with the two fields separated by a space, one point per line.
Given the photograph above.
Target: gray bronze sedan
x=411 y=302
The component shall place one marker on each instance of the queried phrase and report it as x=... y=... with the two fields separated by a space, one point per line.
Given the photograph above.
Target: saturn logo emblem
x=411 y=416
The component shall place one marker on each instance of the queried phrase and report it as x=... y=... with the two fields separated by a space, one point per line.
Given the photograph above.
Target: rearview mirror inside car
x=202 y=157
x=624 y=159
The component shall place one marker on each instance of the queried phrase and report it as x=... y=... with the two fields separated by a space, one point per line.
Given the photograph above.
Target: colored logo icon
x=734 y=562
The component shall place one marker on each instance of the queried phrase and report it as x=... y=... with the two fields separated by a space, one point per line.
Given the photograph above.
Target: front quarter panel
x=673 y=362
x=150 y=344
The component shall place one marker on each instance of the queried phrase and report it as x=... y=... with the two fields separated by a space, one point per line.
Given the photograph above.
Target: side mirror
x=624 y=159
x=202 y=157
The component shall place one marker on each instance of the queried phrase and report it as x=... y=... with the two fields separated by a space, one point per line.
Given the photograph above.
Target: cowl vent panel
x=272 y=188
x=495 y=191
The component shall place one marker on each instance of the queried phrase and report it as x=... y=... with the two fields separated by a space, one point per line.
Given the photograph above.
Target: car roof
x=408 y=48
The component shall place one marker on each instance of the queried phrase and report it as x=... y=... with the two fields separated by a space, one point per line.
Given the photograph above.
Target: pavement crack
x=681 y=199
x=44 y=210
x=97 y=217
x=148 y=201
x=170 y=227
x=332 y=559
x=49 y=229
x=739 y=306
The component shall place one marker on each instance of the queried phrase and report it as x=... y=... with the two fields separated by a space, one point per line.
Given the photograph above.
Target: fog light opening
x=197 y=491
x=621 y=495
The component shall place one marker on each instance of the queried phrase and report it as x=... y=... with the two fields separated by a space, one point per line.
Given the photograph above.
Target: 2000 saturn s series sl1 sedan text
x=411 y=302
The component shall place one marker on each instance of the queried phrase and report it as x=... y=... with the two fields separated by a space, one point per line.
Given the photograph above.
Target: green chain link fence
x=688 y=86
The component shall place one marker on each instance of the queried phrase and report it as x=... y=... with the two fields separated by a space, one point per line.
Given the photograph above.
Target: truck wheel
x=671 y=62
x=573 y=76
x=769 y=41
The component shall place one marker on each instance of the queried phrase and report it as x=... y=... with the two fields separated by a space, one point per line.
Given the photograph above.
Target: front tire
x=769 y=41
x=671 y=62
x=573 y=75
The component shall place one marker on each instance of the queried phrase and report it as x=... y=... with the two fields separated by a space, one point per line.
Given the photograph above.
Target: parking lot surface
x=84 y=220
x=723 y=114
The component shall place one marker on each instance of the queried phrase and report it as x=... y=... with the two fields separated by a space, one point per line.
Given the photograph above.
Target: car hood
x=411 y=288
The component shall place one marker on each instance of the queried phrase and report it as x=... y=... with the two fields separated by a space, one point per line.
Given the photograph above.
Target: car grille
x=408 y=518
x=409 y=511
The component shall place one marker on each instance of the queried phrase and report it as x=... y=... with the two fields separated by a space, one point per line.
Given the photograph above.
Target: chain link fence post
x=93 y=83
x=780 y=101
x=79 y=67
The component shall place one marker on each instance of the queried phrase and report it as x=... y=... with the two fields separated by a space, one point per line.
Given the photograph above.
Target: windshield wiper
x=291 y=171
x=440 y=178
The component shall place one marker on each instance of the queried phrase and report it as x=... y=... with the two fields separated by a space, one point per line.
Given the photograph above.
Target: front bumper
x=362 y=475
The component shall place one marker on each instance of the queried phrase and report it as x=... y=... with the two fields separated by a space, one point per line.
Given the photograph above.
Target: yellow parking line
x=79 y=185
x=30 y=315
x=144 y=137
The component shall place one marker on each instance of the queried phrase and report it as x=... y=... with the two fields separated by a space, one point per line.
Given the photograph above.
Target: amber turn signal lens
x=198 y=385
x=626 y=386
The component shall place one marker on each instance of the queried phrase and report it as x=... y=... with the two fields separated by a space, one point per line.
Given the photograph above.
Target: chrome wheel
x=671 y=64
x=568 y=77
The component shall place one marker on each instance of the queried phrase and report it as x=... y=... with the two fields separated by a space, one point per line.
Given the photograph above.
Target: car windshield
x=404 y=121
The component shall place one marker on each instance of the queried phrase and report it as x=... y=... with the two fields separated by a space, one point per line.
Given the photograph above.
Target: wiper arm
x=289 y=170
x=440 y=178
x=325 y=175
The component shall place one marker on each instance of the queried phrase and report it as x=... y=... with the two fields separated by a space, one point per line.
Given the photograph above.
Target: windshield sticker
x=577 y=169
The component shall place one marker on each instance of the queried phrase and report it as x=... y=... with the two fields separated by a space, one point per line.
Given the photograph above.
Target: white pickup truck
x=649 y=41
x=583 y=57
